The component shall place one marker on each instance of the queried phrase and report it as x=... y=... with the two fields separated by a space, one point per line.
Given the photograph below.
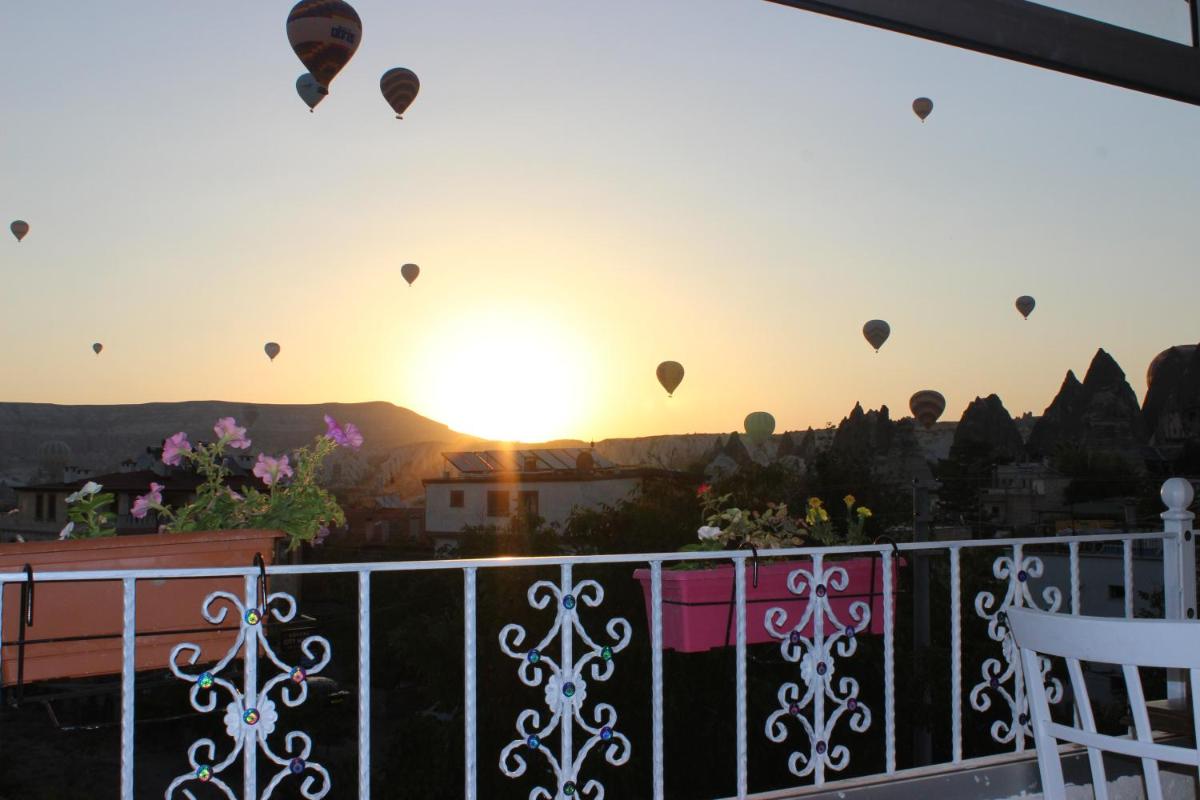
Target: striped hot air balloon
x=399 y=86
x=324 y=34
x=926 y=406
x=759 y=426
x=876 y=332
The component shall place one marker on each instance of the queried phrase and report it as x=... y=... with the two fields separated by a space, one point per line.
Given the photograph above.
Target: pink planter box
x=697 y=604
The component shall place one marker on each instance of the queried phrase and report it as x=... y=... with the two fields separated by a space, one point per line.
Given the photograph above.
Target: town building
x=488 y=487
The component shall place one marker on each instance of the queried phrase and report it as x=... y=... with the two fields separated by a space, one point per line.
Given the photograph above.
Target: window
x=456 y=498
x=51 y=507
x=1116 y=591
x=39 y=507
x=529 y=503
x=497 y=504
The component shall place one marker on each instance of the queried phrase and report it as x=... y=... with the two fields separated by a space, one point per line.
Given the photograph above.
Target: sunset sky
x=589 y=189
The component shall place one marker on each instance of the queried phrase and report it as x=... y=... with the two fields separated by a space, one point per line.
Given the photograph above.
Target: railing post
x=1179 y=565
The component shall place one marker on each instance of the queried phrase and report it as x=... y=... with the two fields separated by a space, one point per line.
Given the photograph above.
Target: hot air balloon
x=922 y=107
x=324 y=34
x=759 y=426
x=1025 y=305
x=97 y=347
x=410 y=272
x=311 y=92
x=877 y=332
x=271 y=349
x=19 y=229
x=670 y=375
x=926 y=406
x=399 y=87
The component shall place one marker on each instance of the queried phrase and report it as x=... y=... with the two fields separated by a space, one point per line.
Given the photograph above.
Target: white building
x=487 y=487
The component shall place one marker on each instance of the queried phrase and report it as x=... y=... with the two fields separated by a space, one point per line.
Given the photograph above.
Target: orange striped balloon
x=926 y=406
x=399 y=87
x=325 y=34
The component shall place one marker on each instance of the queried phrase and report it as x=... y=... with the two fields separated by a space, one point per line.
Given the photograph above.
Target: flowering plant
x=728 y=528
x=291 y=500
x=85 y=509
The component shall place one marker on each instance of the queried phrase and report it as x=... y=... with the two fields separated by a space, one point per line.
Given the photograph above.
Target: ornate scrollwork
x=822 y=702
x=998 y=673
x=250 y=714
x=565 y=688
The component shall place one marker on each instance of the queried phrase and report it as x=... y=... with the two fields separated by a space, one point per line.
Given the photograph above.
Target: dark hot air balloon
x=1025 y=305
x=410 y=272
x=759 y=426
x=876 y=332
x=19 y=228
x=324 y=34
x=670 y=375
x=399 y=87
x=271 y=349
x=926 y=406
x=97 y=347
x=922 y=107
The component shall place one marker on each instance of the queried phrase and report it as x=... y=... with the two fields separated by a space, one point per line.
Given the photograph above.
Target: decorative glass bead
x=1022 y=576
x=250 y=717
x=253 y=616
x=794 y=637
x=606 y=653
x=822 y=668
x=821 y=746
x=851 y=704
x=533 y=656
x=204 y=773
x=296 y=766
x=794 y=709
x=206 y=680
x=994 y=683
x=606 y=733
x=569 y=788
x=568 y=689
x=820 y=590
x=1023 y=719
x=569 y=602
x=298 y=675
x=534 y=742
x=850 y=632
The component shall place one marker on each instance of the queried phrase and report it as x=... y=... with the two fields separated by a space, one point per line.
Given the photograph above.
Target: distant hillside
x=99 y=437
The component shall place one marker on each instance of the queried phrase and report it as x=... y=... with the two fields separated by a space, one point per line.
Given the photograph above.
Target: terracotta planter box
x=89 y=613
x=697 y=605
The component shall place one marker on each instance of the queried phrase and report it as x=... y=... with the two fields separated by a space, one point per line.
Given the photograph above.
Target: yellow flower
x=864 y=512
x=824 y=515
x=814 y=502
x=848 y=500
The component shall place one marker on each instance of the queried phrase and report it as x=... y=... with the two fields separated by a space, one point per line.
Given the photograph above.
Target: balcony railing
x=566 y=728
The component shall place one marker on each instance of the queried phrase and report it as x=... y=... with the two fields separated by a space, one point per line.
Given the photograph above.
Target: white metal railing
x=816 y=702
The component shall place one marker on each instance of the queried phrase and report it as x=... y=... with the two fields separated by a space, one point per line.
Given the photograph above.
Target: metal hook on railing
x=27 y=597
x=753 y=562
x=892 y=542
x=263 y=594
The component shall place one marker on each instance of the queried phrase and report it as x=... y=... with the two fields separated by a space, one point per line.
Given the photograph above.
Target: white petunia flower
x=708 y=532
x=90 y=488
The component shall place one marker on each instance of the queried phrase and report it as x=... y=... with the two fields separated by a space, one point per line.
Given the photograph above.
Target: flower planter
x=697 y=605
x=76 y=629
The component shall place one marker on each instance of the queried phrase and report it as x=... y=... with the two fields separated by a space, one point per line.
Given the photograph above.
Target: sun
x=507 y=375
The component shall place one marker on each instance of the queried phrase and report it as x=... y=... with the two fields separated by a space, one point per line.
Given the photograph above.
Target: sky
x=589 y=189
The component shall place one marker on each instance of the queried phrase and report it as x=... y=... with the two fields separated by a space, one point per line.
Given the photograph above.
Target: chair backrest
x=1126 y=642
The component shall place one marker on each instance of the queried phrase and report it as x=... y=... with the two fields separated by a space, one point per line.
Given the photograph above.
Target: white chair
x=1129 y=643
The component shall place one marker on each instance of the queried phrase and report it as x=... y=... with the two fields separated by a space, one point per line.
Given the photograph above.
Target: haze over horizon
x=589 y=190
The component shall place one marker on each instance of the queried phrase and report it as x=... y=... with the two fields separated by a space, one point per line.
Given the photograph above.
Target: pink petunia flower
x=344 y=436
x=229 y=433
x=174 y=448
x=322 y=535
x=144 y=504
x=271 y=470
